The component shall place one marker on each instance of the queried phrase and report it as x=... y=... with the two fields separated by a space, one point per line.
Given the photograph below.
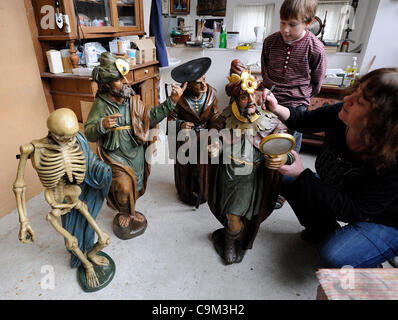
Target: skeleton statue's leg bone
x=71 y=194
x=103 y=238
x=72 y=245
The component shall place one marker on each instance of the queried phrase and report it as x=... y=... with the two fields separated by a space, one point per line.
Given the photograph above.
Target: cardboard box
x=146 y=51
x=55 y=61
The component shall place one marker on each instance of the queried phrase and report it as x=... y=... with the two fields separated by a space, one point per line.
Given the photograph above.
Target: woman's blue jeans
x=360 y=244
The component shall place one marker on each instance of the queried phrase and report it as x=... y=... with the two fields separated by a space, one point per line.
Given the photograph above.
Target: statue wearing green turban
x=120 y=123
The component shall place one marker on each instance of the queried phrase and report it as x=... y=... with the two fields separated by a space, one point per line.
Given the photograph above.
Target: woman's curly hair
x=380 y=133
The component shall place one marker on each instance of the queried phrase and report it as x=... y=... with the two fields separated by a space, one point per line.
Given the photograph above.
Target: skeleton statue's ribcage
x=66 y=163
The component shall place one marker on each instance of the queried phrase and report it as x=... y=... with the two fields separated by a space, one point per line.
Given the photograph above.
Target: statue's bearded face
x=198 y=88
x=121 y=89
x=246 y=102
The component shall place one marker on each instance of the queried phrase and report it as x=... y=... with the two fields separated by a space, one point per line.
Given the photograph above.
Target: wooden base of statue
x=134 y=229
x=104 y=273
x=218 y=239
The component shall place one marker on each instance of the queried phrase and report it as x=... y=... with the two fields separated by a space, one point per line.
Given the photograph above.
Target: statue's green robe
x=244 y=186
x=124 y=150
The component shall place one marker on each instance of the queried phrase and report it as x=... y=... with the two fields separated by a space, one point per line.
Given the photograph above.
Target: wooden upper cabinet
x=89 y=18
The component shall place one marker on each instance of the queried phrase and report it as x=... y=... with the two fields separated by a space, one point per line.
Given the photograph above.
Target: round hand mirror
x=316 y=26
x=277 y=144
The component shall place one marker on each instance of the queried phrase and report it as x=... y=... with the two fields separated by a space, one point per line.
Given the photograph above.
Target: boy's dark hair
x=303 y=10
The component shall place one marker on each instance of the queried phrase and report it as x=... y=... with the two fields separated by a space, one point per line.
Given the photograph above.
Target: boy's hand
x=293 y=170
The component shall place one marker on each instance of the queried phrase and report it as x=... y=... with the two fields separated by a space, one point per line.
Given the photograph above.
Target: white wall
x=383 y=39
x=147 y=14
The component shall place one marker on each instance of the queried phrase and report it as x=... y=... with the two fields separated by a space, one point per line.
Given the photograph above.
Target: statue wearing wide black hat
x=196 y=110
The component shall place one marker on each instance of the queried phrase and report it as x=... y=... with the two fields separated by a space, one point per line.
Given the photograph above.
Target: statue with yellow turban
x=244 y=189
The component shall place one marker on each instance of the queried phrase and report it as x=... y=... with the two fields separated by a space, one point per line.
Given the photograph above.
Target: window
x=246 y=17
x=336 y=20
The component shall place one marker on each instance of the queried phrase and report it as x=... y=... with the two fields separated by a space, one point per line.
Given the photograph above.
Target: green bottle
x=223 y=37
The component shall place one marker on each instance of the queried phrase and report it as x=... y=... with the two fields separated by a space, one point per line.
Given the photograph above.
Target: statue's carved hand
x=274 y=163
x=214 y=149
x=110 y=121
x=187 y=125
x=26 y=233
x=177 y=92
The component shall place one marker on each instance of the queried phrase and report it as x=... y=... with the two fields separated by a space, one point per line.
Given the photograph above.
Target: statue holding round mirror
x=245 y=183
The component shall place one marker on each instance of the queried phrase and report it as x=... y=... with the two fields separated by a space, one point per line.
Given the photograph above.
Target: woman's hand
x=282 y=112
x=295 y=169
x=270 y=99
x=177 y=91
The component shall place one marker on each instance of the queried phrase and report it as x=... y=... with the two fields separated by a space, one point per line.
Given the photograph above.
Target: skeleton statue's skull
x=63 y=125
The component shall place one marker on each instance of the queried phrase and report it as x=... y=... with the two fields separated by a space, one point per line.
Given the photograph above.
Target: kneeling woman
x=357 y=174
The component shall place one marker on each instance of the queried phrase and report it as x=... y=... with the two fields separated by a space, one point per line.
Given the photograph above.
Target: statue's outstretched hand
x=110 y=121
x=177 y=92
x=26 y=233
x=187 y=125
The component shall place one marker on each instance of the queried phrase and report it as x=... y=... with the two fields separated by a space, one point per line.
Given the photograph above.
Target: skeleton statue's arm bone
x=49 y=196
x=26 y=233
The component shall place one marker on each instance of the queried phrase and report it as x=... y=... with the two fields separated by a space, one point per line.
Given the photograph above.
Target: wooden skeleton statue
x=61 y=166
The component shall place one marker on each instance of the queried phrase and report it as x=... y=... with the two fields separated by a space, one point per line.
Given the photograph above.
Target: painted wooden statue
x=76 y=184
x=244 y=185
x=120 y=123
x=196 y=110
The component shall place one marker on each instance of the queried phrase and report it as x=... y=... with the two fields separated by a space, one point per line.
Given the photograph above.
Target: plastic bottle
x=223 y=37
x=354 y=70
x=350 y=73
x=216 y=36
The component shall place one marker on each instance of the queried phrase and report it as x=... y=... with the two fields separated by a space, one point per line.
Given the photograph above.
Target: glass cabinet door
x=95 y=15
x=127 y=13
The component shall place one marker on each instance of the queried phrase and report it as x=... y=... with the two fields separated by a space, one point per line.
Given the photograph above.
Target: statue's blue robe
x=94 y=190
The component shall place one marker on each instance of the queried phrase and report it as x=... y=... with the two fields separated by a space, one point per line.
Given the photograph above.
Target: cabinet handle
x=146 y=71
